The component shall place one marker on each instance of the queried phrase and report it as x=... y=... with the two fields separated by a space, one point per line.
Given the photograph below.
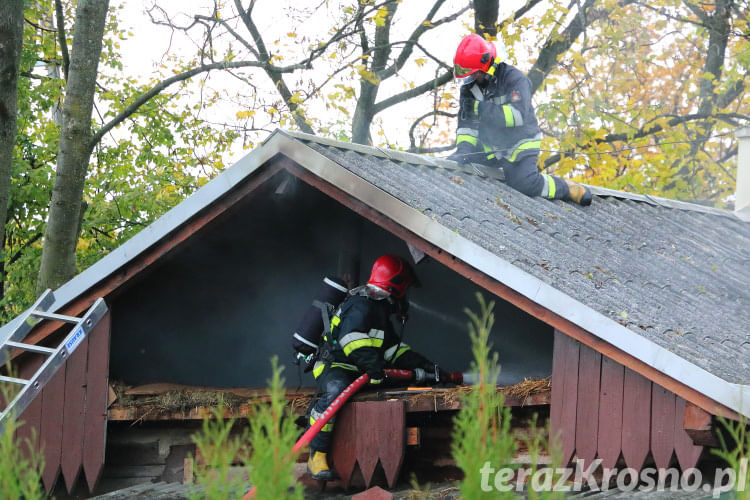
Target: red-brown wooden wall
x=69 y=416
x=601 y=409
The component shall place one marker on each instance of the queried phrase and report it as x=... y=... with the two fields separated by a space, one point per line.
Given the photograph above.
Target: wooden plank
x=73 y=414
x=435 y=400
x=508 y=294
x=343 y=452
x=662 y=425
x=558 y=382
x=609 y=440
x=587 y=409
x=570 y=355
x=95 y=419
x=369 y=425
x=699 y=425
x=391 y=434
x=636 y=418
x=687 y=452
x=570 y=398
x=53 y=402
x=30 y=420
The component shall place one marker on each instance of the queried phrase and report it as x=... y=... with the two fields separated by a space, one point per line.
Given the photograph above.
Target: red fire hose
x=334 y=407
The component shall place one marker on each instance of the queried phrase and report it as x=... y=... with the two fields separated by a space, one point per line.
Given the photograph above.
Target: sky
x=145 y=50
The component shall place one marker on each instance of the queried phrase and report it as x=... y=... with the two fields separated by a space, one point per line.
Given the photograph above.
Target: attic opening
x=224 y=302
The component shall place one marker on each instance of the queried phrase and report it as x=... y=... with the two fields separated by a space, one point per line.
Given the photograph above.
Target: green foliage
x=167 y=153
x=219 y=449
x=620 y=100
x=482 y=427
x=21 y=464
x=264 y=447
x=273 y=433
x=735 y=452
x=537 y=442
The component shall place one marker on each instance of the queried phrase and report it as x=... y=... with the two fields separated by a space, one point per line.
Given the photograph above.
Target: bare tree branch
x=156 y=89
x=423 y=27
x=434 y=112
x=411 y=93
x=61 y=37
x=530 y=4
x=275 y=76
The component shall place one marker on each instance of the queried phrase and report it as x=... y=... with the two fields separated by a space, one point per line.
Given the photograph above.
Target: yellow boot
x=579 y=193
x=317 y=466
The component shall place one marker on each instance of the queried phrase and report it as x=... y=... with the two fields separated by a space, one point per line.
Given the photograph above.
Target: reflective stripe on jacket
x=506 y=120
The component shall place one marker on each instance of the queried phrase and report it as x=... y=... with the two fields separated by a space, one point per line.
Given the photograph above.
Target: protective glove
x=376 y=375
x=463 y=153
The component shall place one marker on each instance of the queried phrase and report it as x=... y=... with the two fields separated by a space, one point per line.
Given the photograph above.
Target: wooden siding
x=69 y=415
x=601 y=409
x=368 y=433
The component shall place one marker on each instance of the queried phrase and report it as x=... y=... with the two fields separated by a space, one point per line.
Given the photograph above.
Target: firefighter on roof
x=497 y=125
x=363 y=339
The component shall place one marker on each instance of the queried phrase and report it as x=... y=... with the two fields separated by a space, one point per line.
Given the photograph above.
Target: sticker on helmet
x=515 y=96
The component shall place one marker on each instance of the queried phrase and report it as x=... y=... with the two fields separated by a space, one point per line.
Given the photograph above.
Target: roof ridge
x=484 y=171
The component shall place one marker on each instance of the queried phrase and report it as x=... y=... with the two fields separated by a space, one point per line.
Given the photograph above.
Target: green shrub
x=265 y=448
x=481 y=433
x=219 y=449
x=735 y=451
x=273 y=433
x=20 y=464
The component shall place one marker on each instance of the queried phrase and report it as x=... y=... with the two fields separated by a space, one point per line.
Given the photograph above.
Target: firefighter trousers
x=523 y=175
x=330 y=383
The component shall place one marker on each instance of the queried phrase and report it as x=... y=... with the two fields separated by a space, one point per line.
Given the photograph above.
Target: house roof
x=662 y=280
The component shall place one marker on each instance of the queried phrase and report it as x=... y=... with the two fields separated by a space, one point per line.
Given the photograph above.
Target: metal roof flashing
x=291 y=144
x=484 y=171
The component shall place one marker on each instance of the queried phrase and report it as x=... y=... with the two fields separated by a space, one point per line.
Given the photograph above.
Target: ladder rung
x=30 y=347
x=14 y=380
x=58 y=317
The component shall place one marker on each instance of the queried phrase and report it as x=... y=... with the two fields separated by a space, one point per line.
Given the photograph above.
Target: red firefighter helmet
x=392 y=274
x=473 y=54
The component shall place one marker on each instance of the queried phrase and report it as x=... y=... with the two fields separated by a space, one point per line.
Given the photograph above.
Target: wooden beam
x=698 y=424
x=436 y=400
x=510 y=295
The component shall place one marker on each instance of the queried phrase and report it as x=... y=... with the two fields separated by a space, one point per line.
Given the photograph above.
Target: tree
x=360 y=42
x=11 y=37
x=78 y=141
x=631 y=95
x=64 y=220
x=652 y=105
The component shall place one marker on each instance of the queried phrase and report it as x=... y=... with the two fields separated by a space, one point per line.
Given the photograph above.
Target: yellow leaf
x=291 y=35
x=420 y=62
x=245 y=114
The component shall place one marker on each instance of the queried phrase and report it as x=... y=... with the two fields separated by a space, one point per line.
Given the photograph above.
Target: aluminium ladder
x=56 y=356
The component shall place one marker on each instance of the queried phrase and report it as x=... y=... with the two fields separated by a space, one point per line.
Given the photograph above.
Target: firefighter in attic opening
x=364 y=337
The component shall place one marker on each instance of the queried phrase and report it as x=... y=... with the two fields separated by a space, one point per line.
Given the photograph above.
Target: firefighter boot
x=579 y=193
x=317 y=466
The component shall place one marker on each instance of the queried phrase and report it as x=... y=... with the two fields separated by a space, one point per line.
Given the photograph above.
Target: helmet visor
x=460 y=72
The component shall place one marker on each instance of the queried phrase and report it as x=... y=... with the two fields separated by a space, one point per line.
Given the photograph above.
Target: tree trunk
x=558 y=44
x=11 y=39
x=61 y=234
x=485 y=16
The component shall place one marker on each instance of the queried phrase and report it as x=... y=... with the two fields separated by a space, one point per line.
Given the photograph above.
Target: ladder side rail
x=55 y=361
x=26 y=323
